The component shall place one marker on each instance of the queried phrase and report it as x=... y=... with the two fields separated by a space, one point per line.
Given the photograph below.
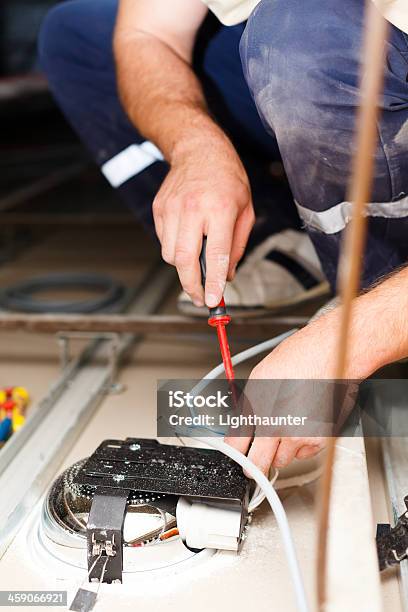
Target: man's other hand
x=306 y=355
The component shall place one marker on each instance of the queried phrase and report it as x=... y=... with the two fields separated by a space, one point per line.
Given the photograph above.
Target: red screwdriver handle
x=218 y=318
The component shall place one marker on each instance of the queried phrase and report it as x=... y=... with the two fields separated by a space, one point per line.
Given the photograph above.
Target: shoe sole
x=320 y=290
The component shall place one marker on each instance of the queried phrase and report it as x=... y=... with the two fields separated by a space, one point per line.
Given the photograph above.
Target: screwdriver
x=219 y=318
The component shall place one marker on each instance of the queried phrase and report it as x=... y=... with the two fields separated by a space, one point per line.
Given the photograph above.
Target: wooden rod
x=353 y=247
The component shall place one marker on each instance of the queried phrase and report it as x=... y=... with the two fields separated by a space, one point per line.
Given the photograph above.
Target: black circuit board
x=143 y=465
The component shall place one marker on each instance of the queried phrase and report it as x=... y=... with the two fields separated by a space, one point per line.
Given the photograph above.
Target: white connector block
x=202 y=525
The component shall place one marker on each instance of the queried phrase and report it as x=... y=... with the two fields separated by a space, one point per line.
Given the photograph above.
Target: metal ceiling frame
x=70 y=403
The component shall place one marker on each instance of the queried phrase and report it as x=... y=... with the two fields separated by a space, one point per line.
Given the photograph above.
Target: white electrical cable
x=277 y=509
x=257 y=497
x=244 y=356
x=262 y=481
x=252 y=351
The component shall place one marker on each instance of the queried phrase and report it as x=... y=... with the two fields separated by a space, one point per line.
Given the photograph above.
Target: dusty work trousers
x=301 y=64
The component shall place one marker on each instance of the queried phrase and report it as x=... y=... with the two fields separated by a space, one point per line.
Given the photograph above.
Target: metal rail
x=134 y=323
x=34 y=453
x=41 y=219
x=42 y=185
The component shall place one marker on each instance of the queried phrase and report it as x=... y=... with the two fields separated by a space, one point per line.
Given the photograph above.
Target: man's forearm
x=378 y=336
x=206 y=191
x=379 y=331
x=162 y=96
x=379 y=328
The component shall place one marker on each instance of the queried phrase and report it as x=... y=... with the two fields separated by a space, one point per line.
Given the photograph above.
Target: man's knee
x=301 y=60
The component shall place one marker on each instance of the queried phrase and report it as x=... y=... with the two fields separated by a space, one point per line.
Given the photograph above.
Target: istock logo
x=180 y=399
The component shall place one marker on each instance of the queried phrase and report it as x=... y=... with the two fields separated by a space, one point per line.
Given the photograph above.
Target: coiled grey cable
x=20 y=296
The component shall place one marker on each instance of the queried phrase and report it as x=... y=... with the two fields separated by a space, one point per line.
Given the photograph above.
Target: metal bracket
x=105 y=535
x=64 y=339
x=392 y=542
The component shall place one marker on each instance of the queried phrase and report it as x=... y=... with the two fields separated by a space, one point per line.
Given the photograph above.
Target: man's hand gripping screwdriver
x=218 y=318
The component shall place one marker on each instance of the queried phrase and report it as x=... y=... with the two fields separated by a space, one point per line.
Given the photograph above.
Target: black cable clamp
x=392 y=542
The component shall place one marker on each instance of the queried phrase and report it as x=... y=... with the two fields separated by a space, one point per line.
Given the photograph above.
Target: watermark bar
x=33 y=598
x=288 y=408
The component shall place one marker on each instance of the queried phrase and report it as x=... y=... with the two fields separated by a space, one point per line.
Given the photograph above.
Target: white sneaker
x=281 y=271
